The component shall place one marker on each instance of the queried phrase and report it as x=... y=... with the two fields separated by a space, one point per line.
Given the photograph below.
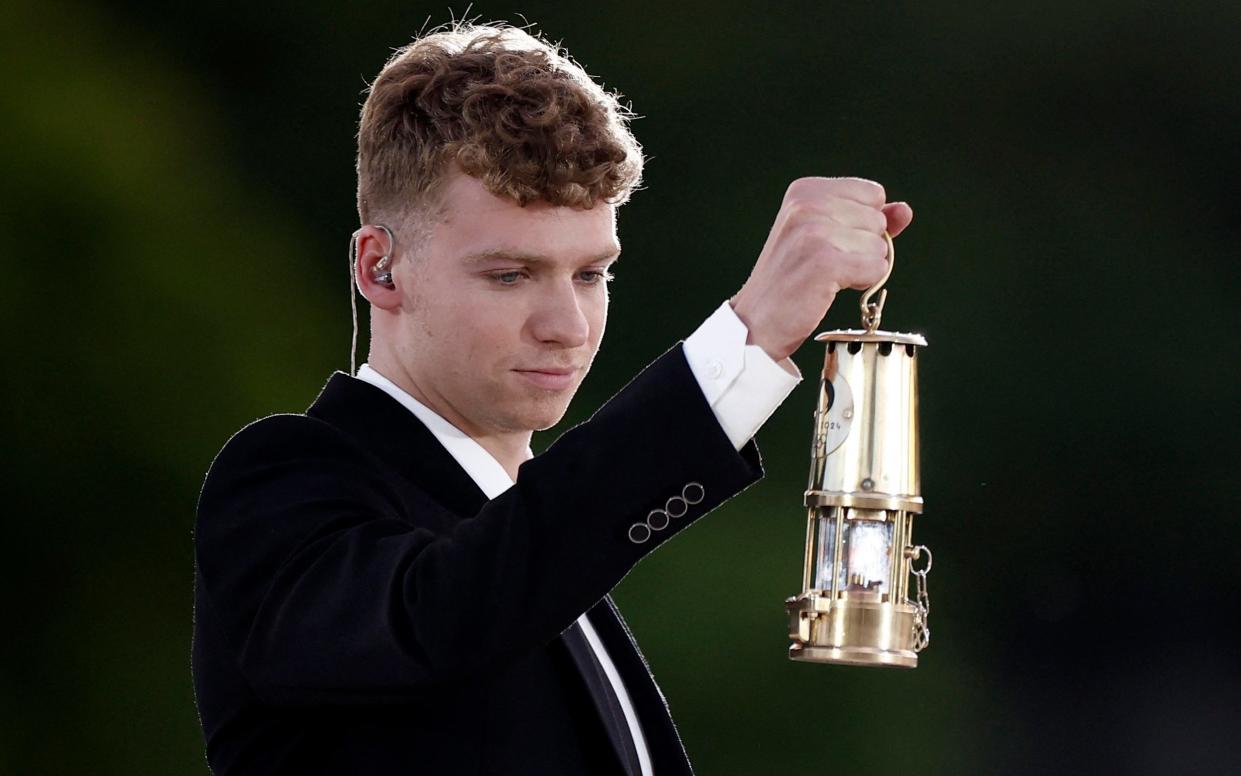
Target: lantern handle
x=872 y=312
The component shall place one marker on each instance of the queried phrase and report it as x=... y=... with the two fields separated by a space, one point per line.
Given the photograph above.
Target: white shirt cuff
x=743 y=385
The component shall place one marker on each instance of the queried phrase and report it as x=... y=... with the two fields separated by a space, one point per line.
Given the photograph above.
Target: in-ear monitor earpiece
x=382 y=274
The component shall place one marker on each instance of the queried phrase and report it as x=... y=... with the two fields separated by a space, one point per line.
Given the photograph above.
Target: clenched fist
x=827 y=236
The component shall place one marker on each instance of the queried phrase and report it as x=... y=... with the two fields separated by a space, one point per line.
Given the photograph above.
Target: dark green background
x=177 y=199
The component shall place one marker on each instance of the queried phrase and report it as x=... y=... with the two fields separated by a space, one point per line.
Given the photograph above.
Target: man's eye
x=509 y=278
x=594 y=276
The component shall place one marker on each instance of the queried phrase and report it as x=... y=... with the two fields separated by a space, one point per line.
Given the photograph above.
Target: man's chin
x=546 y=414
x=545 y=421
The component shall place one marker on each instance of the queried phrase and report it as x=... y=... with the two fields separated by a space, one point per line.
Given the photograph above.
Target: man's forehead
x=478 y=225
x=524 y=255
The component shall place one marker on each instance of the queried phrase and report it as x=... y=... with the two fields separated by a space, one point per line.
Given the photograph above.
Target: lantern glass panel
x=825 y=552
x=867 y=556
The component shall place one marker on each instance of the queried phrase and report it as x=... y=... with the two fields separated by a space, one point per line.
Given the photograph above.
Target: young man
x=391 y=583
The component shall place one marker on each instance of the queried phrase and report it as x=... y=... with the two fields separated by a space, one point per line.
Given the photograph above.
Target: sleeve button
x=693 y=493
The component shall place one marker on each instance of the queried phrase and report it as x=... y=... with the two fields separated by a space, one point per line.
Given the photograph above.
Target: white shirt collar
x=484 y=469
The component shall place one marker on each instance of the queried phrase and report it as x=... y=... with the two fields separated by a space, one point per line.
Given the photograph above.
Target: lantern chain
x=922 y=628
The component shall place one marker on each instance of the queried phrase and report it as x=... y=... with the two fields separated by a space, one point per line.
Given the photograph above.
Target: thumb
x=899 y=215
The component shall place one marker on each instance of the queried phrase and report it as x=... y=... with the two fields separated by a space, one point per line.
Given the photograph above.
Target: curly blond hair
x=505 y=107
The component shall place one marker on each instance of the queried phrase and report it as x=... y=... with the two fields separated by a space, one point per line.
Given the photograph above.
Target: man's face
x=503 y=307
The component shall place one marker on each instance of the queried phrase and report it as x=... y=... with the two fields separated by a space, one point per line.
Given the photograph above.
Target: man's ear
x=373 y=263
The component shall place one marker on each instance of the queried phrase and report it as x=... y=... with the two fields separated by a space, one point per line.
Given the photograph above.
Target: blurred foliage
x=181 y=178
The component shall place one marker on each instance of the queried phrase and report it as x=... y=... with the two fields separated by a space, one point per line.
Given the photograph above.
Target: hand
x=827 y=236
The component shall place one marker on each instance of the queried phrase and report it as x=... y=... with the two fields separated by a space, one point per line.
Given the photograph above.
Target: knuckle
x=865 y=190
x=874 y=191
x=803 y=187
x=795 y=209
x=801 y=210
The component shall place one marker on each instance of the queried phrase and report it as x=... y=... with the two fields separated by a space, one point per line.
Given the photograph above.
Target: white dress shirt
x=743 y=385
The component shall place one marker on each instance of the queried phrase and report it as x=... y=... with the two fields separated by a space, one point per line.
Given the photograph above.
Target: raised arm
x=331 y=586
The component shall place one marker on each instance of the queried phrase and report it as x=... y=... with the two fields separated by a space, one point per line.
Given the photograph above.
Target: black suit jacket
x=360 y=607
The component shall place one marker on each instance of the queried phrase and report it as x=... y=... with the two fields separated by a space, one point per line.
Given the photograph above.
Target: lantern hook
x=872 y=312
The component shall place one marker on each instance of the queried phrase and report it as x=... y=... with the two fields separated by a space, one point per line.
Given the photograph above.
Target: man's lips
x=549 y=378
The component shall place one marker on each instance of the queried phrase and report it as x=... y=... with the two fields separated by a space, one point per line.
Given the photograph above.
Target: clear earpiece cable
x=353 y=305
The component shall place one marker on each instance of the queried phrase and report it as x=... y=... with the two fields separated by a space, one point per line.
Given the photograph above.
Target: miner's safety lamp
x=864 y=490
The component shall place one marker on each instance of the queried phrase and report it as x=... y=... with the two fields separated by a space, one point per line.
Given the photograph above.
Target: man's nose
x=559 y=317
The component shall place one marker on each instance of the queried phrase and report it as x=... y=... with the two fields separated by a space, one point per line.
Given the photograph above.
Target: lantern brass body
x=864 y=467
x=863 y=493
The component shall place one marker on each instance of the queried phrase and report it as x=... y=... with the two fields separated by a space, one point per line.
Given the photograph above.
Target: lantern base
x=853 y=656
x=851 y=632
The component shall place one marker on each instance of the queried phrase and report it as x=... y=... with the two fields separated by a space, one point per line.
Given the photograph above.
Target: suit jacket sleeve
x=327 y=592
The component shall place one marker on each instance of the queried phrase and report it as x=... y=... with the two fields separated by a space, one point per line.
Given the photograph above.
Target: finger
x=855 y=215
x=899 y=214
x=857 y=189
x=860 y=190
x=860 y=245
x=866 y=270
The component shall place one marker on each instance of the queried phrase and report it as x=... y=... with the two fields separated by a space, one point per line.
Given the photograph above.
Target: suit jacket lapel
x=379 y=423
x=604 y=698
x=668 y=755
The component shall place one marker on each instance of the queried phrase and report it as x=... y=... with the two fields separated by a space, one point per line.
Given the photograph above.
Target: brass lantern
x=864 y=490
